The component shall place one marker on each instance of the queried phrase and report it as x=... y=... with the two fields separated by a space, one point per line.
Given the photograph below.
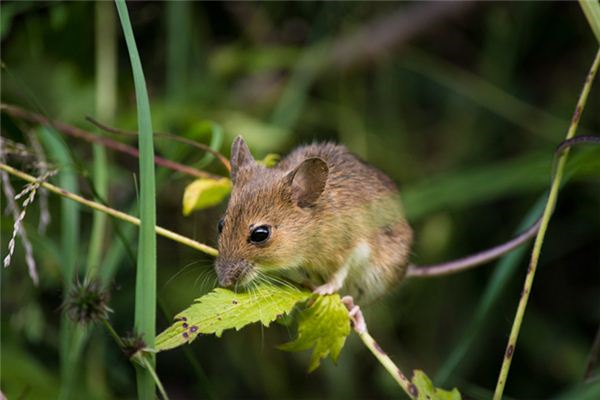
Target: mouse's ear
x=307 y=181
x=240 y=156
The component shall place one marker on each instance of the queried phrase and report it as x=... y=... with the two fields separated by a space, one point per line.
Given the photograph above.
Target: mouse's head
x=269 y=217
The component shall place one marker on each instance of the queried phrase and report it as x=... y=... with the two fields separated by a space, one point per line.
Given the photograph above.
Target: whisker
x=182 y=270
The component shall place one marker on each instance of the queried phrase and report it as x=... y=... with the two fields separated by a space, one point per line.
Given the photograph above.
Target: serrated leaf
x=205 y=192
x=323 y=326
x=270 y=160
x=426 y=390
x=223 y=309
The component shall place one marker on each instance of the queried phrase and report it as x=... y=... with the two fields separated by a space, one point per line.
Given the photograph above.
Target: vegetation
x=463 y=104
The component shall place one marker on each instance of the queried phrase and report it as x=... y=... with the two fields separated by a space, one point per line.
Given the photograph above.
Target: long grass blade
x=145 y=289
x=67 y=178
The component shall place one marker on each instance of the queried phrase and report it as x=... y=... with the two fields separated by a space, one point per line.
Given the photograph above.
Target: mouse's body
x=321 y=216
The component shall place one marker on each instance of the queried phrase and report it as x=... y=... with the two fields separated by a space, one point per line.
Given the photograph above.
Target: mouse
x=321 y=217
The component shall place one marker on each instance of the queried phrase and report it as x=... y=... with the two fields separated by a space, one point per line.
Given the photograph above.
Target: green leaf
x=426 y=390
x=270 y=160
x=223 y=309
x=323 y=326
x=205 y=192
x=591 y=9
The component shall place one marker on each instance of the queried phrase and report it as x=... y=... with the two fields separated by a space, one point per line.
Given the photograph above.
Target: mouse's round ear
x=307 y=181
x=240 y=156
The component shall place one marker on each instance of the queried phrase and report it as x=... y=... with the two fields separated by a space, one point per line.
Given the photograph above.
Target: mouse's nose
x=229 y=272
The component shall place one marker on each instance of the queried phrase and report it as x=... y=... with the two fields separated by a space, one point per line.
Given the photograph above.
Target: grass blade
x=145 y=289
x=106 y=95
x=67 y=178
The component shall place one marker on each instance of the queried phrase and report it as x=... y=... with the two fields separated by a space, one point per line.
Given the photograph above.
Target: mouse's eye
x=220 y=225
x=260 y=234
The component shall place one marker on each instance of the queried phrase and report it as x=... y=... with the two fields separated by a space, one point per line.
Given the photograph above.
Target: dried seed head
x=133 y=344
x=87 y=302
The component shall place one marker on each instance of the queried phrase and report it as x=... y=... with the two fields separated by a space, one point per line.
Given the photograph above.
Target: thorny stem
x=537 y=247
x=388 y=364
x=360 y=327
x=106 y=142
x=111 y=211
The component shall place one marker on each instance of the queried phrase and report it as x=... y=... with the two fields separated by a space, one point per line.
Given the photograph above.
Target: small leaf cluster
x=323 y=322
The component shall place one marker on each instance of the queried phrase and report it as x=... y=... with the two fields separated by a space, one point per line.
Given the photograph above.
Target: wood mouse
x=321 y=217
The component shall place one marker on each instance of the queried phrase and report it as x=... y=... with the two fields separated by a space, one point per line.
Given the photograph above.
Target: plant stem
x=388 y=364
x=150 y=368
x=111 y=211
x=537 y=247
x=106 y=100
x=113 y=333
x=104 y=141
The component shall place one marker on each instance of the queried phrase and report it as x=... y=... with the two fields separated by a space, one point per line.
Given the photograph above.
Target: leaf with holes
x=205 y=192
x=223 y=309
x=426 y=390
x=323 y=326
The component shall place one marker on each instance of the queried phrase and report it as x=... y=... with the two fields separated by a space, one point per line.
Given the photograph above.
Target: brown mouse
x=321 y=217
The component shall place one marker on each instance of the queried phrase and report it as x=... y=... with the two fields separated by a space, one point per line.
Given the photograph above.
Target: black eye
x=220 y=225
x=260 y=234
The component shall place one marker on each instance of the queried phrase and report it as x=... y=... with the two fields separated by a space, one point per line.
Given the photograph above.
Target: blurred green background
x=462 y=104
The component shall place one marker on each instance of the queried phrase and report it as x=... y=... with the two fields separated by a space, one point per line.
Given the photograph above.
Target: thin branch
x=360 y=327
x=70 y=130
x=537 y=247
x=111 y=211
x=409 y=388
x=222 y=159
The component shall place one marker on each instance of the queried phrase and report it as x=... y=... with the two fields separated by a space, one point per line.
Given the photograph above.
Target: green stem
x=139 y=357
x=106 y=83
x=111 y=211
x=113 y=333
x=388 y=364
x=537 y=247
x=150 y=368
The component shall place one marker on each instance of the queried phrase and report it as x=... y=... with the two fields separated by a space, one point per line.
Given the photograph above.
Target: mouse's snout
x=230 y=272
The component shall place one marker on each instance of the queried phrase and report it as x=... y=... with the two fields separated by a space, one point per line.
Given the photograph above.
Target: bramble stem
x=111 y=211
x=388 y=364
x=537 y=247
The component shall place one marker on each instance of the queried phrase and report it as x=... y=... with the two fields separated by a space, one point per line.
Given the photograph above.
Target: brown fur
x=324 y=206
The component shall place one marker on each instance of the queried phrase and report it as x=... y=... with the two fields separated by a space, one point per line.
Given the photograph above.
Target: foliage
x=462 y=107
x=205 y=192
x=427 y=391
x=323 y=326
x=223 y=309
x=145 y=280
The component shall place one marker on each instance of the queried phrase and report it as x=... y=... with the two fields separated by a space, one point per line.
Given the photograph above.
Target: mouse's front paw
x=328 y=288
